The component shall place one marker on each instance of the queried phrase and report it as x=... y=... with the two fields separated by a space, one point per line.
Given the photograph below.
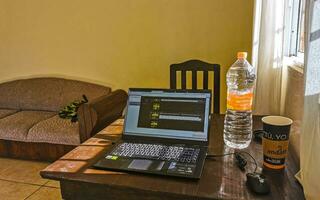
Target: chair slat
x=183 y=79
x=194 y=79
x=173 y=78
x=216 y=90
x=205 y=79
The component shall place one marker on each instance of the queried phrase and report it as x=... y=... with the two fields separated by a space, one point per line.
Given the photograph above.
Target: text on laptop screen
x=168 y=114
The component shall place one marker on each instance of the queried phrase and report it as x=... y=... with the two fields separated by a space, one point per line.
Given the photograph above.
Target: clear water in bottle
x=238 y=118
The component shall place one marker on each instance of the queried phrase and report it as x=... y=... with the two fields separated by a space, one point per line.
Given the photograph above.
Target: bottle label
x=241 y=102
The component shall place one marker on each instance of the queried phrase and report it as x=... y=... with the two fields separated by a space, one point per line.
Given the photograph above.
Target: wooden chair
x=196 y=66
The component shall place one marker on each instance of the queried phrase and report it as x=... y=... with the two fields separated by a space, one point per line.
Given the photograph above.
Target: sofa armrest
x=99 y=113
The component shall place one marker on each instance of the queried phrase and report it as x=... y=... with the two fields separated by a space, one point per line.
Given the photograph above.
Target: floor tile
x=52 y=183
x=47 y=193
x=16 y=191
x=22 y=171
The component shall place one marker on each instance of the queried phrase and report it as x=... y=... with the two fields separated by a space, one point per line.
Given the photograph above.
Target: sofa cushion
x=52 y=94
x=55 y=130
x=16 y=126
x=41 y=94
x=6 y=112
x=73 y=90
x=9 y=95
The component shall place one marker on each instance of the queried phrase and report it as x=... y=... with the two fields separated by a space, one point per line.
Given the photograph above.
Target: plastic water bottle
x=238 y=119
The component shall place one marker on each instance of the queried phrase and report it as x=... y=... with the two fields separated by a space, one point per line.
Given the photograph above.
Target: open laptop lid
x=168 y=114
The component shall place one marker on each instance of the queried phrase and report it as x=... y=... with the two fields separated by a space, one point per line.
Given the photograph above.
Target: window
x=294 y=29
x=301 y=27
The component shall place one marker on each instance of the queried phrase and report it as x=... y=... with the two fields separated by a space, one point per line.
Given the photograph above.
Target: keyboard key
x=156 y=151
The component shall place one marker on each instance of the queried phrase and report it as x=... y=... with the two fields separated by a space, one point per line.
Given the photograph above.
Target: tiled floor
x=20 y=180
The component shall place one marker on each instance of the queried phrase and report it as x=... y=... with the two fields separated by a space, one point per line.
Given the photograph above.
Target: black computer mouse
x=258 y=183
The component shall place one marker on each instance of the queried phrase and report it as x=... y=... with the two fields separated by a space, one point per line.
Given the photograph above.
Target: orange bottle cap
x=242 y=55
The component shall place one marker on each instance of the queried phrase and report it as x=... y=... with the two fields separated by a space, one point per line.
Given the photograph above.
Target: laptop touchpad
x=140 y=164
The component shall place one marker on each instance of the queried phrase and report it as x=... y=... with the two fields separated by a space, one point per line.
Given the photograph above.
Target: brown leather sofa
x=30 y=127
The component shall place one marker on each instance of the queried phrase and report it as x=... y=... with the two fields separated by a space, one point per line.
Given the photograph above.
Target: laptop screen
x=168 y=114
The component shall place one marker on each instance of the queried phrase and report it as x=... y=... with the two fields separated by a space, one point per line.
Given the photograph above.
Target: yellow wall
x=120 y=43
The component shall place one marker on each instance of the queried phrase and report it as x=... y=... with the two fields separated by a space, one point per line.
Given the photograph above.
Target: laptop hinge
x=133 y=138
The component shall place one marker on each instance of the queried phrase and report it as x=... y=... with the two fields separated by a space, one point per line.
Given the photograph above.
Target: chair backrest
x=196 y=66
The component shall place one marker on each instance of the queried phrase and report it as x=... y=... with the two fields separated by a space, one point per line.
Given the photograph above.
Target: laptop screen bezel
x=164 y=139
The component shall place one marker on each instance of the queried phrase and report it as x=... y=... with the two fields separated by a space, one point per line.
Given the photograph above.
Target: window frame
x=293 y=22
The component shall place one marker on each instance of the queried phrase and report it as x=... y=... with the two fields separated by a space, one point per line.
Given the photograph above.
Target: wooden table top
x=221 y=178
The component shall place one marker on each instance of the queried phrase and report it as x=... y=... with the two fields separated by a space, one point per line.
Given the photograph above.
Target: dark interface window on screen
x=172 y=113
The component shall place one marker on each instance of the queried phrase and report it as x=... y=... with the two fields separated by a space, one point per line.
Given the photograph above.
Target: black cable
x=241 y=163
x=254 y=160
x=221 y=155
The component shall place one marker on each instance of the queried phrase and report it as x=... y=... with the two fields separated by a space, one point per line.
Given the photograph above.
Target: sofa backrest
x=50 y=94
x=9 y=97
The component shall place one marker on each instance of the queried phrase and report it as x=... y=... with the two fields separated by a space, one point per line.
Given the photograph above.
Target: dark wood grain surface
x=221 y=179
x=33 y=150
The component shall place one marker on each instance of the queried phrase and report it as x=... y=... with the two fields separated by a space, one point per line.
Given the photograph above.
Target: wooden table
x=221 y=178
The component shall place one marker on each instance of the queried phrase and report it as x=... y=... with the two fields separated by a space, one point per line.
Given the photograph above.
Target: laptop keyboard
x=177 y=153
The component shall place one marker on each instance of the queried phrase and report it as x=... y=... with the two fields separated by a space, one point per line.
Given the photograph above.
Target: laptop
x=165 y=133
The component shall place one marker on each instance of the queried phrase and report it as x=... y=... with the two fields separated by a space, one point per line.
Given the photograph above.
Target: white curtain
x=267 y=55
x=309 y=174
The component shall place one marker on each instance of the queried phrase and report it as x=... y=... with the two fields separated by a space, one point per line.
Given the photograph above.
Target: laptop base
x=153 y=166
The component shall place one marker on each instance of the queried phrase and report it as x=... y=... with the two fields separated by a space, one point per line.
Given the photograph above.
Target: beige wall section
x=120 y=43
